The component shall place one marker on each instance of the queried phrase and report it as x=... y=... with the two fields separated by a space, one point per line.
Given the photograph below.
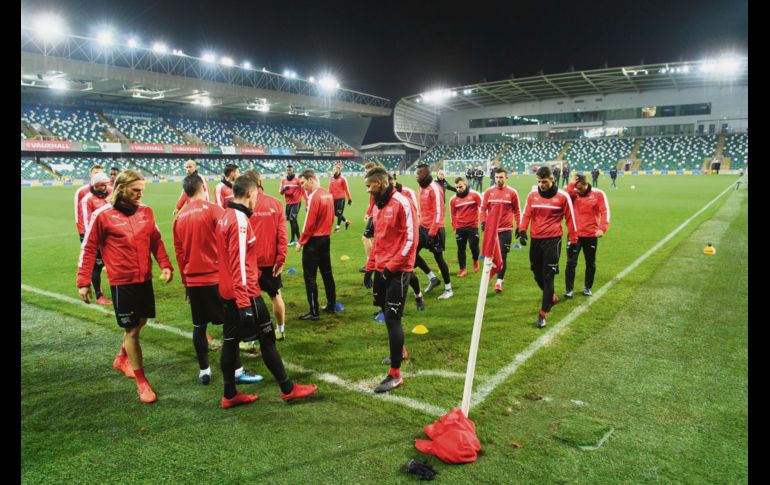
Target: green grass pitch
x=661 y=360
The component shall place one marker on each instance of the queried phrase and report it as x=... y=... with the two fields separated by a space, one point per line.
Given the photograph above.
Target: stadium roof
x=143 y=75
x=391 y=145
x=416 y=117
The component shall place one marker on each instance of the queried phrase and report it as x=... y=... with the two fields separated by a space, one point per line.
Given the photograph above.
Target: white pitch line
x=329 y=378
x=487 y=388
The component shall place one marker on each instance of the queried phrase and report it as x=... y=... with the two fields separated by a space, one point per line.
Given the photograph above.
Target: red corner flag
x=491 y=244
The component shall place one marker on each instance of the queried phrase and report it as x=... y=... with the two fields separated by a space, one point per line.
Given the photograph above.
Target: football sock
x=139 y=374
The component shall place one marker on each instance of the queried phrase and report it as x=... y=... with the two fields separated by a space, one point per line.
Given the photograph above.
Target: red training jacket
x=125 y=243
x=592 y=210
x=338 y=187
x=80 y=224
x=395 y=235
x=195 y=243
x=508 y=199
x=464 y=211
x=183 y=198
x=223 y=194
x=320 y=215
x=269 y=224
x=236 y=247
x=89 y=203
x=292 y=190
x=432 y=207
x=546 y=215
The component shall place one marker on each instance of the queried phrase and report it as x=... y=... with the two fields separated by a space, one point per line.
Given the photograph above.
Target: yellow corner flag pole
x=480 y=303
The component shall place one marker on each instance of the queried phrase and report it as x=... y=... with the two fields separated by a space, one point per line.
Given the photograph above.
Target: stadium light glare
x=50 y=26
x=708 y=66
x=437 y=96
x=59 y=84
x=159 y=48
x=246 y=65
x=328 y=83
x=227 y=61
x=686 y=69
x=133 y=43
x=209 y=57
x=727 y=65
x=178 y=52
x=467 y=91
x=104 y=37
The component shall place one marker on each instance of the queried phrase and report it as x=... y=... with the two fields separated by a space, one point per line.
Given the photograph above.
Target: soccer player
x=565 y=174
x=432 y=236
x=595 y=176
x=293 y=193
x=80 y=225
x=592 y=211
x=268 y=221
x=224 y=190
x=195 y=245
x=464 y=210
x=546 y=207
x=556 y=174
x=613 y=177
x=366 y=238
x=413 y=281
x=338 y=187
x=390 y=263
x=508 y=198
x=445 y=185
x=315 y=240
x=191 y=167
x=246 y=316
x=126 y=232
x=114 y=171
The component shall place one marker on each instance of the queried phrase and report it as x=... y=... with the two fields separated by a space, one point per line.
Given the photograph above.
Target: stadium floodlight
x=209 y=57
x=437 y=96
x=227 y=61
x=419 y=100
x=708 y=66
x=133 y=43
x=159 y=48
x=50 y=27
x=467 y=91
x=59 y=84
x=177 y=52
x=104 y=37
x=728 y=65
x=686 y=69
x=311 y=79
x=328 y=83
x=246 y=65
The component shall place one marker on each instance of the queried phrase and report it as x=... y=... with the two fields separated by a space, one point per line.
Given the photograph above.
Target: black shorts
x=206 y=305
x=267 y=282
x=390 y=294
x=292 y=210
x=439 y=238
x=233 y=329
x=369 y=230
x=544 y=255
x=339 y=206
x=132 y=303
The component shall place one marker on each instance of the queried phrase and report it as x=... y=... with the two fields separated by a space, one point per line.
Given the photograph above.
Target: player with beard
x=191 y=167
x=291 y=189
x=508 y=198
x=338 y=187
x=464 y=210
x=432 y=236
x=223 y=192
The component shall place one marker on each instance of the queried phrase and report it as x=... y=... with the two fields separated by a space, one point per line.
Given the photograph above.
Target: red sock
x=543 y=314
x=395 y=373
x=123 y=352
x=139 y=374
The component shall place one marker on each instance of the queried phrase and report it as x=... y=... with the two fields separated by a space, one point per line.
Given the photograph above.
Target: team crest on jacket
x=242 y=229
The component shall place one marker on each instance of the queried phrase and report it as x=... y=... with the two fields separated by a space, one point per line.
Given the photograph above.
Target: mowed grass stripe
x=669 y=373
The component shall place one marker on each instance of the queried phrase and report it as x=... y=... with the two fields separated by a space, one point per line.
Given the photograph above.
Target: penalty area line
x=498 y=378
x=323 y=376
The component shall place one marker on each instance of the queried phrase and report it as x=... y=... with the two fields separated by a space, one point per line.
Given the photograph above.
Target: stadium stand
x=584 y=155
x=737 y=149
x=464 y=154
x=211 y=132
x=259 y=134
x=390 y=162
x=30 y=170
x=72 y=168
x=148 y=131
x=676 y=152
x=435 y=154
x=66 y=123
x=517 y=154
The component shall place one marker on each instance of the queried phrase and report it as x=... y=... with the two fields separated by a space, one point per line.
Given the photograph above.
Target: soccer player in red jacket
x=291 y=189
x=545 y=208
x=80 y=225
x=223 y=192
x=338 y=187
x=246 y=316
x=196 y=256
x=506 y=197
x=96 y=197
x=432 y=236
x=464 y=209
x=315 y=239
x=413 y=281
x=126 y=233
x=592 y=211
x=268 y=221
x=391 y=263
x=191 y=167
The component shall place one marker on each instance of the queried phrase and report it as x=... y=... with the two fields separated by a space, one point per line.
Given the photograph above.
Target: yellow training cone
x=420 y=330
x=709 y=249
x=344 y=257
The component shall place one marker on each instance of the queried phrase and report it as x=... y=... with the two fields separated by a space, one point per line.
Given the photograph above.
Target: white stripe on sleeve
x=243 y=228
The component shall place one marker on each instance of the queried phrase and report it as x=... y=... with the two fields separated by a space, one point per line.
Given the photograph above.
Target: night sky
x=395 y=49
